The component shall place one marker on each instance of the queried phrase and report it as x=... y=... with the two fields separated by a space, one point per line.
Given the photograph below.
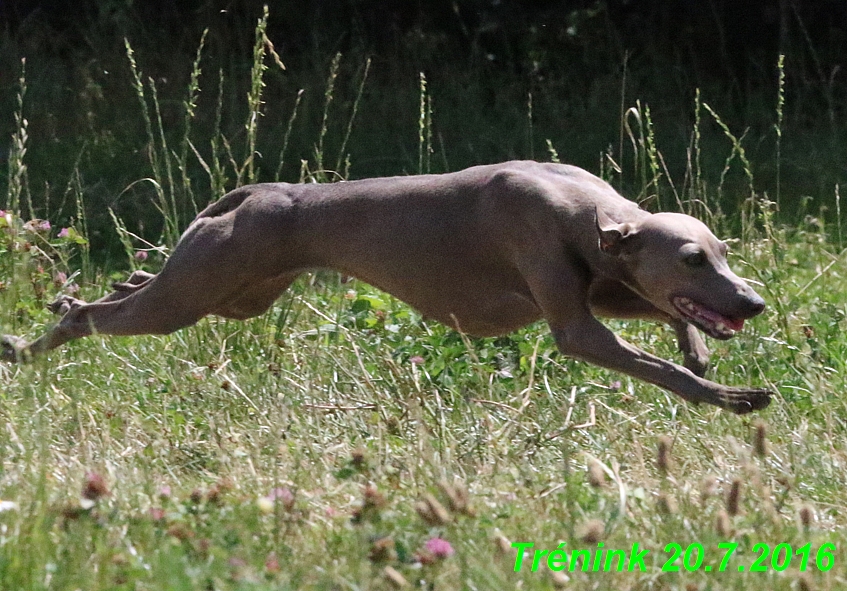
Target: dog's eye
x=695 y=259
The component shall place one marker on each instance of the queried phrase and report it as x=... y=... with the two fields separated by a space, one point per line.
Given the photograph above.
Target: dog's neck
x=614 y=269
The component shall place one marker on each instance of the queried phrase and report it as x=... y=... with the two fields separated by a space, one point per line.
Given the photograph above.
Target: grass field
x=342 y=442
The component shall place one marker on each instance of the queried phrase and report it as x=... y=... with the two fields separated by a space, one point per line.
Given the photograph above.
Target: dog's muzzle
x=712 y=322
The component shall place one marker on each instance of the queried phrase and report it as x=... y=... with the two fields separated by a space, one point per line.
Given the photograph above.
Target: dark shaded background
x=482 y=60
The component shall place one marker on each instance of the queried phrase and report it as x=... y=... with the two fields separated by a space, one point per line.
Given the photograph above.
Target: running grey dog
x=486 y=250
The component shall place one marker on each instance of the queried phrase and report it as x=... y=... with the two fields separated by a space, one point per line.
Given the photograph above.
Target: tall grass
x=247 y=174
x=320 y=170
x=314 y=449
x=424 y=129
x=17 y=150
x=645 y=155
x=698 y=195
x=780 y=105
x=343 y=162
x=162 y=179
x=190 y=106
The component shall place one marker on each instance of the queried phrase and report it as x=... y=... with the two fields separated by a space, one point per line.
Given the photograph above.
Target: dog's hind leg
x=234 y=259
x=63 y=304
x=255 y=299
x=193 y=283
x=204 y=275
x=151 y=310
x=123 y=288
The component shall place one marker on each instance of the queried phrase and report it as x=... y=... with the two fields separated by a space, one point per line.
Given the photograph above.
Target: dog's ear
x=614 y=239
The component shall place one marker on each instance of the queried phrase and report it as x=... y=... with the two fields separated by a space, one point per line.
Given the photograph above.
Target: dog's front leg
x=613 y=299
x=561 y=291
x=695 y=354
x=587 y=339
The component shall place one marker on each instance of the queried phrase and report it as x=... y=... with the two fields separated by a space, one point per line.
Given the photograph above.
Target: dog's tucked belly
x=473 y=304
x=500 y=314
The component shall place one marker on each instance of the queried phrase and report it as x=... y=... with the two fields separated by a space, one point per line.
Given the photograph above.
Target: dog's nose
x=753 y=305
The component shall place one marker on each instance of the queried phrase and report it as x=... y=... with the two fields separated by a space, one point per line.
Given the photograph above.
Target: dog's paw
x=696 y=364
x=64 y=304
x=12 y=348
x=744 y=400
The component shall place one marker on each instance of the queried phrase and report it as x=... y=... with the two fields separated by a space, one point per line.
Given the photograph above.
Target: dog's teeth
x=720 y=327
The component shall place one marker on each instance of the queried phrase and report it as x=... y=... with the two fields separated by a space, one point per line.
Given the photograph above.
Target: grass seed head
x=733 y=498
x=760 y=438
x=560 y=580
x=596 y=475
x=723 y=525
x=666 y=504
x=180 y=531
x=708 y=488
x=592 y=531
x=457 y=497
x=373 y=502
x=663 y=454
x=383 y=550
x=94 y=488
x=431 y=511
x=359 y=459
x=807 y=516
x=214 y=496
x=394 y=577
x=502 y=544
x=804 y=583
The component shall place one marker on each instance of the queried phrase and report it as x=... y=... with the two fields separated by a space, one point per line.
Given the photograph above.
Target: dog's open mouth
x=714 y=324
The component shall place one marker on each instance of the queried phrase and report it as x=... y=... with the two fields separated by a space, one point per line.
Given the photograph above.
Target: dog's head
x=675 y=262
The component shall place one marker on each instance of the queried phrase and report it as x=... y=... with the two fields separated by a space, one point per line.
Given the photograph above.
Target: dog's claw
x=745 y=400
x=123 y=286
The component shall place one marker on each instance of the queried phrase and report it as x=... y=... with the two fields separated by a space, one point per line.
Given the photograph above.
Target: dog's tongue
x=735 y=324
